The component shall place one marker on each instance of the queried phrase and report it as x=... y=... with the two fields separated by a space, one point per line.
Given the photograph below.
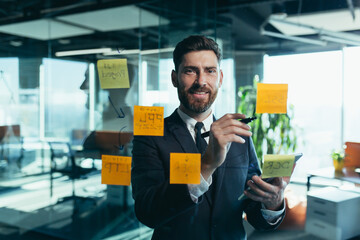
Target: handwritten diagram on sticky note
x=116 y=170
x=277 y=165
x=148 y=121
x=185 y=168
x=113 y=73
x=271 y=98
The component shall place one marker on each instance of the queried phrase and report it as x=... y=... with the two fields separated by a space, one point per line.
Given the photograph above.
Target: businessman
x=210 y=210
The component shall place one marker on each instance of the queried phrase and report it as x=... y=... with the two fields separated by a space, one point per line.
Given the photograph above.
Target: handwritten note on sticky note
x=148 y=121
x=113 y=73
x=271 y=98
x=277 y=165
x=185 y=168
x=116 y=170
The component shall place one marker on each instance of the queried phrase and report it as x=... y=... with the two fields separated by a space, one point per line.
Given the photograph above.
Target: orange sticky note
x=271 y=98
x=185 y=168
x=148 y=121
x=116 y=170
x=113 y=73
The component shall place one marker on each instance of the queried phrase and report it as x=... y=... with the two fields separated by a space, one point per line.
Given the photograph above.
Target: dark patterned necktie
x=200 y=142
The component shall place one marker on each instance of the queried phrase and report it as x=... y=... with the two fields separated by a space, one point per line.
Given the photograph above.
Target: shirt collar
x=190 y=122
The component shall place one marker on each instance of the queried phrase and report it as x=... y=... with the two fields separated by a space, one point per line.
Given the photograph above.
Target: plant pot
x=338 y=165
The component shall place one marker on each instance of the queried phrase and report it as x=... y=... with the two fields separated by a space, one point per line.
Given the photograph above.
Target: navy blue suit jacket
x=169 y=209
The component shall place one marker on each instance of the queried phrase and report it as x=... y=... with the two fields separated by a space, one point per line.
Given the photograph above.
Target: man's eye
x=189 y=71
x=211 y=71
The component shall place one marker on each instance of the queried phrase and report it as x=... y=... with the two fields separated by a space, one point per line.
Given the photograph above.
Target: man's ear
x=221 y=78
x=174 y=79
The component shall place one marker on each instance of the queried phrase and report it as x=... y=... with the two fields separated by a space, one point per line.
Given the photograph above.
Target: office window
x=315 y=82
x=65 y=103
x=226 y=102
x=9 y=91
x=351 y=94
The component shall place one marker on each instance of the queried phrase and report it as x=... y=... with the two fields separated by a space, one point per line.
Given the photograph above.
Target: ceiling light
x=335 y=21
x=137 y=51
x=64 y=41
x=324 y=34
x=16 y=43
x=293 y=38
x=122 y=52
x=116 y=18
x=82 y=52
x=339 y=40
x=44 y=29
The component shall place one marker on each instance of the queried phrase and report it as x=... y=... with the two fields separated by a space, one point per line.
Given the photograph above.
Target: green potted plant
x=272 y=133
x=338 y=159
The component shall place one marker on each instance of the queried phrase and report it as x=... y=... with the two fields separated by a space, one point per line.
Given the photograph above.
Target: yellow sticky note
x=116 y=170
x=271 y=98
x=113 y=73
x=277 y=165
x=148 y=121
x=185 y=168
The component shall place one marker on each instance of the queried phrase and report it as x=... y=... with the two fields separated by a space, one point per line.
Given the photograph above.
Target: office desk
x=347 y=174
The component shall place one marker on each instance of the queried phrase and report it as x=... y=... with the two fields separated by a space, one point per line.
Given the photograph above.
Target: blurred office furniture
x=352 y=154
x=11 y=146
x=108 y=142
x=63 y=161
x=111 y=143
x=347 y=174
x=333 y=213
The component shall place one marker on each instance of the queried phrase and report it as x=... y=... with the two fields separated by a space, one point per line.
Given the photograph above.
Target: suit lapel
x=179 y=131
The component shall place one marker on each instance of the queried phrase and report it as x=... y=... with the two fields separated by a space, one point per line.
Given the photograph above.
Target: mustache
x=198 y=88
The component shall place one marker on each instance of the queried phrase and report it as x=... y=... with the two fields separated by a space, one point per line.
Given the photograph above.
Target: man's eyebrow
x=195 y=67
x=211 y=67
x=191 y=67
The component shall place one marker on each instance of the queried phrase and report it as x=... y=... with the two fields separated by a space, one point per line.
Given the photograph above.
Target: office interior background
x=51 y=99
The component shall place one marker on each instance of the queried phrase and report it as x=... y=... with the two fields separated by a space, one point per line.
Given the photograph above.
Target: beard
x=196 y=105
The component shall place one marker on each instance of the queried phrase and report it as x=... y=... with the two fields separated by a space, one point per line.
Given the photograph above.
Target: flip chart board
x=185 y=168
x=116 y=170
x=148 y=121
x=113 y=73
x=277 y=165
x=271 y=98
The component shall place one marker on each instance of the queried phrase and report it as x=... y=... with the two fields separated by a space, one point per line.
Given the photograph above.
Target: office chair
x=11 y=145
x=63 y=161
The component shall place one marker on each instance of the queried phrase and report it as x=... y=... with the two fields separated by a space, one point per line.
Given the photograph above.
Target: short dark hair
x=194 y=43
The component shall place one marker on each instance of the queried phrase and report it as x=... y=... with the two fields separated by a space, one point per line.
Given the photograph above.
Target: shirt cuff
x=196 y=190
x=272 y=217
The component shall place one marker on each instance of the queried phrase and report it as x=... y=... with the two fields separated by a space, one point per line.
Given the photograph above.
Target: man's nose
x=201 y=79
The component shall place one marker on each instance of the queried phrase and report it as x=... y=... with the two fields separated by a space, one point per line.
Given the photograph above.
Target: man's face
x=198 y=79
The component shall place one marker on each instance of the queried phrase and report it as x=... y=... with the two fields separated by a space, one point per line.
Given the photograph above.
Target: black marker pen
x=245 y=120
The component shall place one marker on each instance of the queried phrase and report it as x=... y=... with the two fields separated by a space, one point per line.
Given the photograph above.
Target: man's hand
x=222 y=132
x=270 y=194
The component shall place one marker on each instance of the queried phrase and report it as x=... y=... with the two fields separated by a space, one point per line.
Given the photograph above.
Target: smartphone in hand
x=268 y=180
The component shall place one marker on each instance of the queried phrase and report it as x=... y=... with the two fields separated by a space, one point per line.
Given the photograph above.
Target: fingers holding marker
x=229 y=123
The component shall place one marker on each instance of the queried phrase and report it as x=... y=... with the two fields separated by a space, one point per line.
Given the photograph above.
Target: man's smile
x=200 y=95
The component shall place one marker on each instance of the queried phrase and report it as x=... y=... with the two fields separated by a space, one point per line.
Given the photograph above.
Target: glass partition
x=50 y=87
